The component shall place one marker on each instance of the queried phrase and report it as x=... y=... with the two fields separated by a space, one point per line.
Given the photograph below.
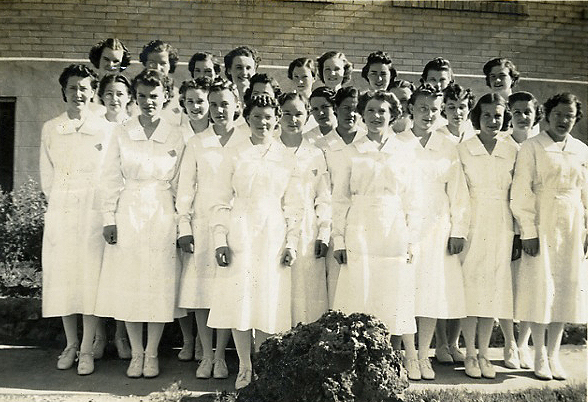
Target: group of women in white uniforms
x=258 y=216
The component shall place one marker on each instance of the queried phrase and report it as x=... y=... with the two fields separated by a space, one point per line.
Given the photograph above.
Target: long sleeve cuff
x=184 y=228
x=292 y=242
x=528 y=232
x=324 y=234
x=338 y=243
x=108 y=219
x=220 y=240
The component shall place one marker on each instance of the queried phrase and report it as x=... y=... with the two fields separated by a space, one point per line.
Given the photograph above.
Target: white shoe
x=472 y=367
x=542 y=370
x=426 y=369
x=442 y=355
x=511 y=358
x=487 y=369
x=412 y=369
x=525 y=357
x=243 y=378
x=557 y=370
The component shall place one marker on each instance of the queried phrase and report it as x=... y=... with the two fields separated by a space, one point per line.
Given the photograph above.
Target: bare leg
x=222 y=339
x=135 y=332
x=425 y=335
x=154 y=332
x=187 y=351
x=469 y=334
x=454 y=329
x=205 y=333
x=409 y=348
x=243 y=344
x=70 y=326
x=89 y=323
x=441 y=334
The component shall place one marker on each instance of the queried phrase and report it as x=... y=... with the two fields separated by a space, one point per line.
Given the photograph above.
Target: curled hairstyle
x=437 y=64
x=378 y=57
x=302 y=62
x=240 y=51
x=347 y=66
x=388 y=97
x=111 y=43
x=324 y=92
x=154 y=78
x=502 y=62
x=76 y=70
x=344 y=93
x=219 y=85
x=111 y=79
x=426 y=90
x=203 y=56
x=202 y=83
x=293 y=96
x=524 y=96
x=456 y=92
x=565 y=98
x=402 y=84
x=487 y=99
x=262 y=78
x=158 y=46
x=262 y=101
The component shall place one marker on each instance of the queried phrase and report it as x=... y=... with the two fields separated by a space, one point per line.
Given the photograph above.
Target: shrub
x=21 y=224
x=338 y=358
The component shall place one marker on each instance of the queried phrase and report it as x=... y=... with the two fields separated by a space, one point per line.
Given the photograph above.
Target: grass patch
x=568 y=393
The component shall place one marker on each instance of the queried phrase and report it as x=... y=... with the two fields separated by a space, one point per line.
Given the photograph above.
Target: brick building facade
x=546 y=40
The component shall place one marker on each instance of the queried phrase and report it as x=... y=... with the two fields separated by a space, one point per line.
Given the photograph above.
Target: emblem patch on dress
x=98 y=147
x=172 y=153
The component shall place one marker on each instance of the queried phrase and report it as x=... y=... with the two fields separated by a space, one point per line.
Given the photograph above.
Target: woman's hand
x=186 y=243
x=288 y=257
x=223 y=256
x=109 y=233
x=517 y=248
x=340 y=256
x=455 y=245
x=320 y=249
x=531 y=246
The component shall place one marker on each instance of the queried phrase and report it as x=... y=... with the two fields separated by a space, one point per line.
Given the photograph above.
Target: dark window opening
x=7 y=117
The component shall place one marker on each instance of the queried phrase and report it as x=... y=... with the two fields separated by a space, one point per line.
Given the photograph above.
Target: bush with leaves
x=338 y=358
x=21 y=224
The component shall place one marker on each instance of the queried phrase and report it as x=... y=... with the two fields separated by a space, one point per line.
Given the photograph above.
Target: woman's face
x=158 y=61
x=294 y=116
x=379 y=76
x=151 y=100
x=196 y=104
x=303 y=80
x=110 y=61
x=223 y=107
x=491 y=118
x=204 y=68
x=242 y=69
x=262 y=122
x=78 y=92
x=262 y=88
x=322 y=111
x=523 y=115
x=425 y=111
x=377 y=115
x=499 y=79
x=561 y=120
x=333 y=72
x=456 y=111
x=116 y=97
x=347 y=115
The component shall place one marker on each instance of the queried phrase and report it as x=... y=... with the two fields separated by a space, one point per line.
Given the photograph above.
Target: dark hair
x=426 y=90
x=456 y=92
x=502 y=62
x=344 y=93
x=292 y=96
x=158 y=46
x=402 y=84
x=324 y=92
x=302 y=62
x=202 y=83
x=76 y=70
x=154 y=78
x=487 y=99
x=240 y=51
x=111 y=43
x=527 y=97
x=203 y=56
x=261 y=101
x=219 y=85
x=437 y=64
x=565 y=98
x=378 y=57
x=111 y=79
x=347 y=66
x=262 y=78
x=389 y=97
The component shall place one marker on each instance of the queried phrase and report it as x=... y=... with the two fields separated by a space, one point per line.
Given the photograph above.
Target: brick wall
x=546 y=40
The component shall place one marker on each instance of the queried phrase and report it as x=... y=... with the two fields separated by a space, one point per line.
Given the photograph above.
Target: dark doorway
x=7 y=114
